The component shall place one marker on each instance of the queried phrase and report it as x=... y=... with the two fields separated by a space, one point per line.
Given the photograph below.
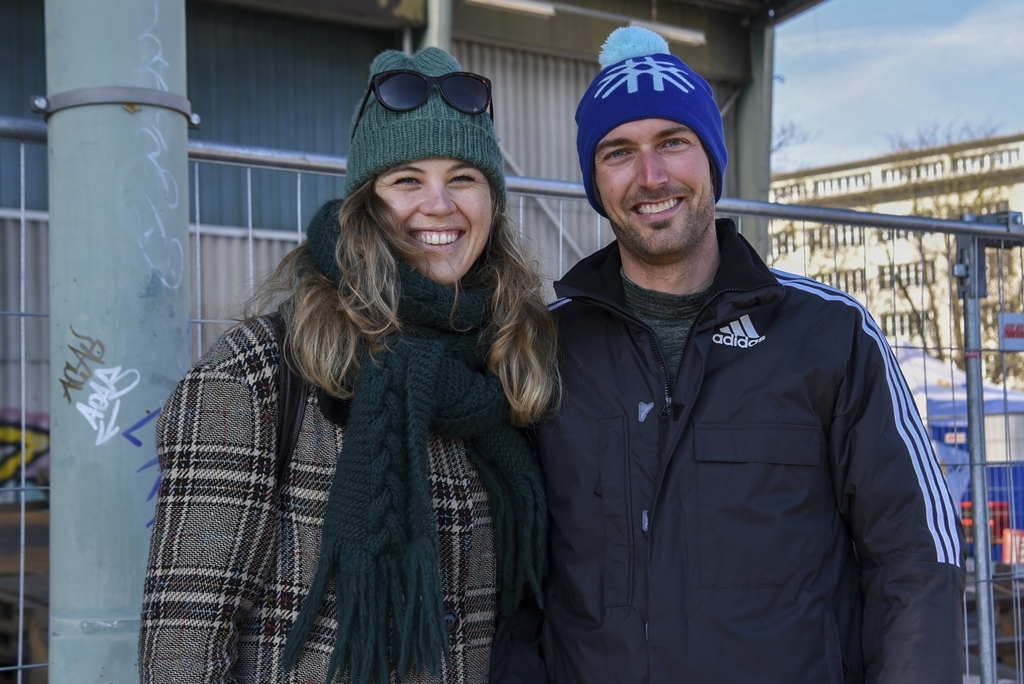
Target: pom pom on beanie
x=628 y=42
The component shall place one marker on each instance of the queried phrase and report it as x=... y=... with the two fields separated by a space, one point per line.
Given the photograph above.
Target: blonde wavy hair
x=330 y=325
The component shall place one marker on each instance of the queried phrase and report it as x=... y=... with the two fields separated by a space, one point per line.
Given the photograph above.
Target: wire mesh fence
x=903 y=273
x=24 y=435
x=906 y=279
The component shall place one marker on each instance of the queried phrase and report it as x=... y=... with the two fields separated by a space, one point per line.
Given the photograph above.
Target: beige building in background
x=905 y=278
x=931 y=181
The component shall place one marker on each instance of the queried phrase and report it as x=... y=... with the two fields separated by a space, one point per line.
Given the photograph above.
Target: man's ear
x=714 y=172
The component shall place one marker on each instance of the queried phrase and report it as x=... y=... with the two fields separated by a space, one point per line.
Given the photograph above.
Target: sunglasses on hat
x=402 y=91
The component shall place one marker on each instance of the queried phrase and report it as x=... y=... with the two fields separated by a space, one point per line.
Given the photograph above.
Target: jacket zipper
x=666 y=380
x=667 y=390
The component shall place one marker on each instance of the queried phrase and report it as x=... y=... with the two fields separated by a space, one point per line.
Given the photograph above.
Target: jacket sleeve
x=214 y=525
x=906 y=530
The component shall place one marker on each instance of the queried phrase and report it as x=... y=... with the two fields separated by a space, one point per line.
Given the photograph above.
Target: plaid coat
x=233 y=553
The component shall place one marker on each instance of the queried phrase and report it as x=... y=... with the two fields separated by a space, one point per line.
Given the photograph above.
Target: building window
x=978 y=163
x=790 y=193
x=849 y=236
x=830 y=237
x=996 y=207
x=917 y=274
x=906 y=324
x=918 y=172
x=890 y=234
x=853 y=280
x=892 y=176
x=842 y=185
x=990 y=315
x=784 y=243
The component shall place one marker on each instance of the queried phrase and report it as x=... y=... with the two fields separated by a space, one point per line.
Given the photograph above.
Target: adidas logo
x=740 y=333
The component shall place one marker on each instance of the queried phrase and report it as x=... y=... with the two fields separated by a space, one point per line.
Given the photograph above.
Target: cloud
x=853 y=89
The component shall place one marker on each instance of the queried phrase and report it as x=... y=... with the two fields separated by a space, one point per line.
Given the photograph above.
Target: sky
x=852 y=76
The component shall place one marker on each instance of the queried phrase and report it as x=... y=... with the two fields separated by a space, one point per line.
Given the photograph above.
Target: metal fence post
x=119 y=310
x=970 y=272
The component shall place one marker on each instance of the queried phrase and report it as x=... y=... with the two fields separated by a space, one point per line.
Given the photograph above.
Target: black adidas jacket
x=777 y=516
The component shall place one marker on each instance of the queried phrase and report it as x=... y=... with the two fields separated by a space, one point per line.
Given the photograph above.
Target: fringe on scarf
x=520 y=531
x=390 y=618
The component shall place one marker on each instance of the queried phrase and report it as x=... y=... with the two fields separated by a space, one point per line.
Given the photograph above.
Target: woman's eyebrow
x=402 y=169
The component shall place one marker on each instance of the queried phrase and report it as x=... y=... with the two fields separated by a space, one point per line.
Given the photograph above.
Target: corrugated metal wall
x=22 y=75
x=265 y=80
x=37 y=330
x=724 y=93
x=535 y=98
x=225 y=285
x=273 y=81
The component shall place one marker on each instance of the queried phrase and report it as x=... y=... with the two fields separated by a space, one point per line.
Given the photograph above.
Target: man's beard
x=698 y=220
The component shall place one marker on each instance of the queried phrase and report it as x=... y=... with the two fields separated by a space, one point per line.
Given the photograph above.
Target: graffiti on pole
x=105 y=385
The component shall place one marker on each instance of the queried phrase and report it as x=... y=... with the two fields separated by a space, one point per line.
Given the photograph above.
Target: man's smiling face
x=654 y=181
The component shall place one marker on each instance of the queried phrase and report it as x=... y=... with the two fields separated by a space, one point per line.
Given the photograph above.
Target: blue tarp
x=940 y=390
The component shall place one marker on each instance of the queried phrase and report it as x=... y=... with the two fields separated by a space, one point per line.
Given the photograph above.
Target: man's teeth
x=655 y=208
x=437 y=238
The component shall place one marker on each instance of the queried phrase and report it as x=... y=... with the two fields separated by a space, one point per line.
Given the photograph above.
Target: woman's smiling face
x=444 y=209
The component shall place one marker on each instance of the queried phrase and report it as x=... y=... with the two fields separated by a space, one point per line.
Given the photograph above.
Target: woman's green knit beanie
x=385 y=138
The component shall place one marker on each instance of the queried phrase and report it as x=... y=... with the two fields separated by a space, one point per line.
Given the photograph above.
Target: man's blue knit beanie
x=639 y=79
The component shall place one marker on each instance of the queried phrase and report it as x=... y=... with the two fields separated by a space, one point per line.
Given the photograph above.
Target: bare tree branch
x=788 y=134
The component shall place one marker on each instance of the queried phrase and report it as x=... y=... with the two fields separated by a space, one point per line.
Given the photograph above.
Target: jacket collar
x=742 y=275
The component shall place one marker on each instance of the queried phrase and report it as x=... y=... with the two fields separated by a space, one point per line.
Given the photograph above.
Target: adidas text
x=731 y=340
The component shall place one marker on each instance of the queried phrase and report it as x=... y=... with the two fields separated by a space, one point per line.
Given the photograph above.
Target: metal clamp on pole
x=1013 y=221
x=116 y=95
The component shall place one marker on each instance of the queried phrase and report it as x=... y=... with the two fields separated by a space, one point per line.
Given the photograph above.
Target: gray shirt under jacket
x=670 y=316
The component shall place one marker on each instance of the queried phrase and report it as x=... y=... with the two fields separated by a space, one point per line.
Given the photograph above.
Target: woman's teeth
x=430 y=238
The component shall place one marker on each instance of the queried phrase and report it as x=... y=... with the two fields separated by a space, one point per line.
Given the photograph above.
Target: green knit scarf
x=379 y=541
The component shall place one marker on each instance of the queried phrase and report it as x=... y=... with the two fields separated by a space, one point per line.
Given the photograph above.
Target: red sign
x=1011 y=331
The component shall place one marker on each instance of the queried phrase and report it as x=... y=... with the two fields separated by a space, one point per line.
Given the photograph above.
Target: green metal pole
x=438 y=32
x=119 y=315
x=754 y=133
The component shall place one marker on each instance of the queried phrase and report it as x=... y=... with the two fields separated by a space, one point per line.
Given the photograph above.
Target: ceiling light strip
x=679 y=34
x=528 y=6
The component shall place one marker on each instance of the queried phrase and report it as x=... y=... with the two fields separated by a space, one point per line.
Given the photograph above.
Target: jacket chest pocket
x=761 y=502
